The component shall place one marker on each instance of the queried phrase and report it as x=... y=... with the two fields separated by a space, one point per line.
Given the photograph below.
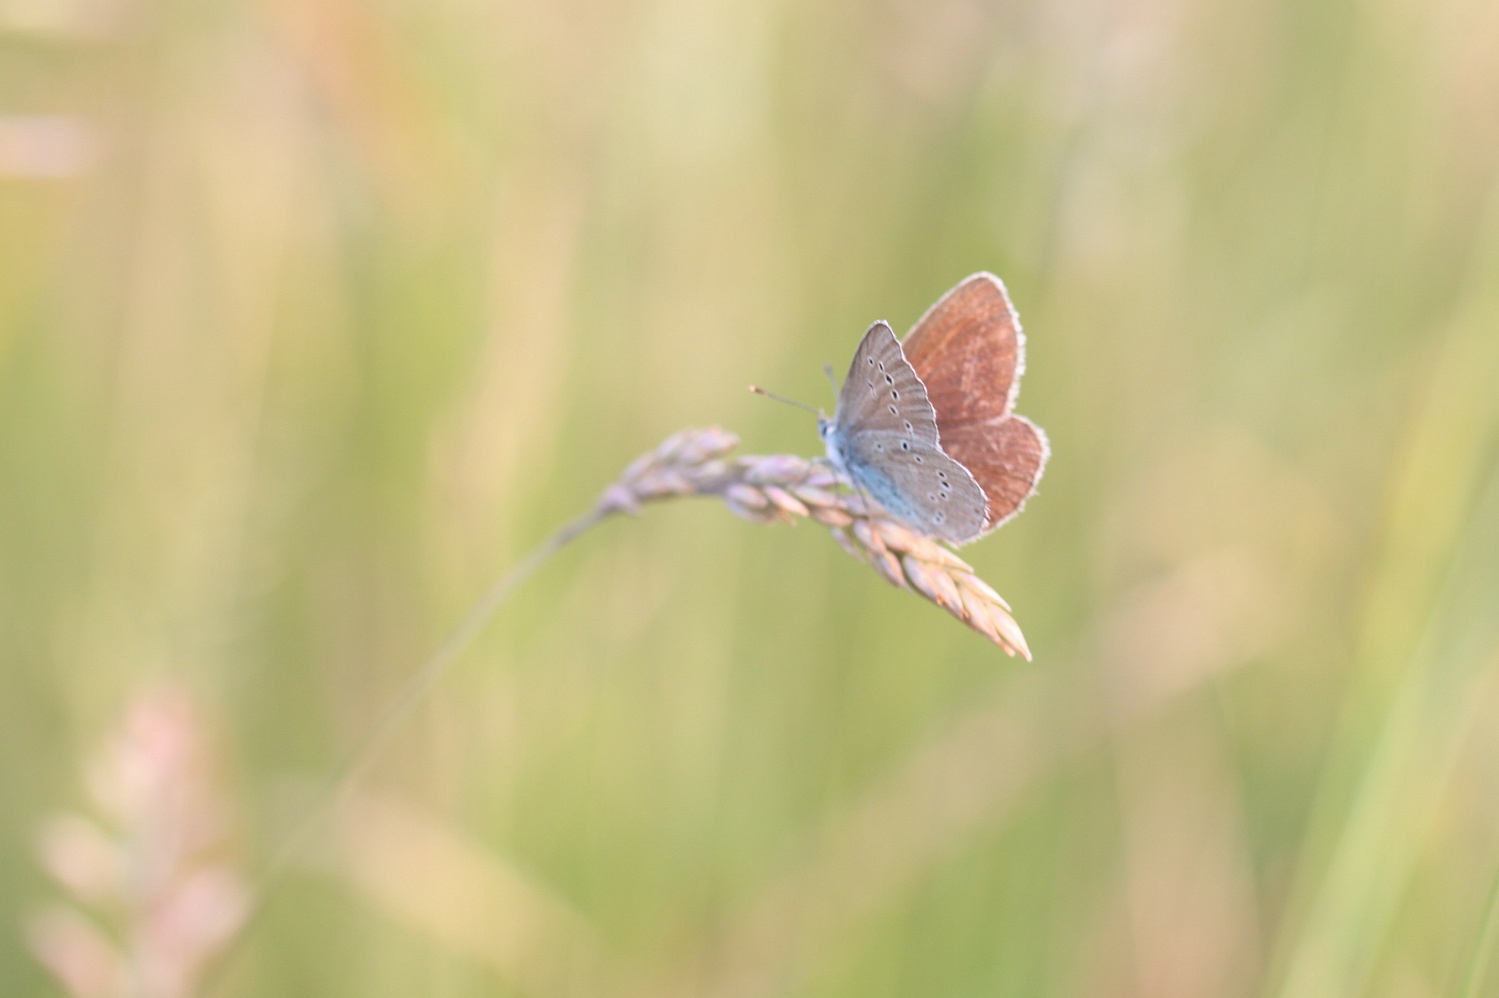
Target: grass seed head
x=784 y=488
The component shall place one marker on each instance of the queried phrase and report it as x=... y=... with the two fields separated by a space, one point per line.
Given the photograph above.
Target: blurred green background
x=315 y=315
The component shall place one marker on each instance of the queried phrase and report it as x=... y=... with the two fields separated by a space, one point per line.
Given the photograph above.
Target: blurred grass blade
x=1485 y=941
x=1404 y=724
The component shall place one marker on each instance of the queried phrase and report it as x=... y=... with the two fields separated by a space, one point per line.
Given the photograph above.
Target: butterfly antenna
x=832 y=378
x=772 y=395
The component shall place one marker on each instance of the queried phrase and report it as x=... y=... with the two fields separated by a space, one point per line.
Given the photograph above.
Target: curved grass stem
x=417 y=687
x=768 y=489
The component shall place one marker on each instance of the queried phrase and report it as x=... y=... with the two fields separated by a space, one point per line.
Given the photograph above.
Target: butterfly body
x=926 y=428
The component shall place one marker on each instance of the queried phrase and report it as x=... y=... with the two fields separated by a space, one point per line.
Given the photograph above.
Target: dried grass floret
x=783 y=488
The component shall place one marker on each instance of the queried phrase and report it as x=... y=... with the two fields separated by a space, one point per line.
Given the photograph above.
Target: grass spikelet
x=151 y=897
x=785 y=488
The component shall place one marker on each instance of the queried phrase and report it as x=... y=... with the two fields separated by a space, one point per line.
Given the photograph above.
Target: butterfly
x=926 y=426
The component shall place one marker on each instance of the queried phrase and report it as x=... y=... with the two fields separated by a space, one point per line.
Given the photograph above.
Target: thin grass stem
x=413 y=692
x=767 y=489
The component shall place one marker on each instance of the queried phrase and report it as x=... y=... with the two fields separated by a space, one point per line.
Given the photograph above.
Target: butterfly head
x=827 y=429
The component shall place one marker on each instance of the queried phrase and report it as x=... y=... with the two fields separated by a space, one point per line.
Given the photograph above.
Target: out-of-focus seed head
x=771 y=488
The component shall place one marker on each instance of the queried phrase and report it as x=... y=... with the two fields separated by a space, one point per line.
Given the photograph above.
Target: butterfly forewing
x=969 y=352
x=885 y=436
x=882 y=391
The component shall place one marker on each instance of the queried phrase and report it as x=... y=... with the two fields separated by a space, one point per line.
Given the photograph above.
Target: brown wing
x=1005 y=456
x=969 y=352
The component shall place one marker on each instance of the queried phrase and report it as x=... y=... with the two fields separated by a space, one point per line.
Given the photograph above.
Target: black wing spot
x=905 y=445
x=893 y=410
x=920 y=459
x=932 y=496
x=942 y=475
x=940 y=517
x=882 y=365
x=879 y=446
x=889 y=380
x=909 y=427
x=894 y=394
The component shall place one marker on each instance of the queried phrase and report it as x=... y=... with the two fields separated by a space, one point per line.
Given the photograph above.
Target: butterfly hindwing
x=917 y=483
x=1006 y=457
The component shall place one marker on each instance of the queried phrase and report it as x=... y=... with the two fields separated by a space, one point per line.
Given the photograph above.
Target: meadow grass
x=316 y=316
